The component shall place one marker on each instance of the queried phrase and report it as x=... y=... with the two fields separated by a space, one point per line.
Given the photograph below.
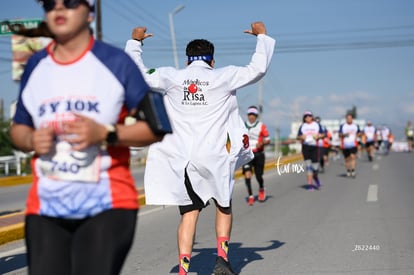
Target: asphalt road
x=351 y=226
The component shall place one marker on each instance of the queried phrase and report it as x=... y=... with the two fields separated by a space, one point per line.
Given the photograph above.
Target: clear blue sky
x=330 y=54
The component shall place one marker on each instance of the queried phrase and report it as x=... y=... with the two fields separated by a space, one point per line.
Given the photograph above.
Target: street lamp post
x=174 y=46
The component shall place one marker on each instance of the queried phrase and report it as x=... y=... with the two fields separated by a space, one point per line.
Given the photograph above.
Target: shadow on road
x=203 y=262
x=308 y=187
x=256 y=198
x=11 y=263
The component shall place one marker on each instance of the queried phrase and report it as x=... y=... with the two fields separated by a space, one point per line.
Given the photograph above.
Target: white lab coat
x=202 y=106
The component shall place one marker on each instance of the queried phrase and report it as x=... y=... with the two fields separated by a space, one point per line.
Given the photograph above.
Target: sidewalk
x=12 y=225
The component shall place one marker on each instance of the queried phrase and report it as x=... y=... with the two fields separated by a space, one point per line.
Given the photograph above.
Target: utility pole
x=260 y=98
x=277 y=143
x=98 y=20
x=1 y=110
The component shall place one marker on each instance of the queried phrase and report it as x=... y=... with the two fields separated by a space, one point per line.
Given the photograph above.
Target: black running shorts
x=197 y=204
x=349 y=151
x=310 y=152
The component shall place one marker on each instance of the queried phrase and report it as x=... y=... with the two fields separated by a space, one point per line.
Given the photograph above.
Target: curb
x=11 y=233
x=15 y=180
x=15 y=232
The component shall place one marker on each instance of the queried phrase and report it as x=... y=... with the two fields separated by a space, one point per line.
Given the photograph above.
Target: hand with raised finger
x=140 y=33
x=257 y=28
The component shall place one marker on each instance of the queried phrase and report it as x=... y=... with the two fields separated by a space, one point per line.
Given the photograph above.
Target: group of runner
x=319 y=144
x=76 y=100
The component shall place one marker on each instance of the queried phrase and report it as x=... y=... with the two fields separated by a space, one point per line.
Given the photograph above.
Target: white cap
x=252 y=111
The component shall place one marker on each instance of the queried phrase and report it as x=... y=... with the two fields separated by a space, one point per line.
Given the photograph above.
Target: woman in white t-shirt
x=309 y=133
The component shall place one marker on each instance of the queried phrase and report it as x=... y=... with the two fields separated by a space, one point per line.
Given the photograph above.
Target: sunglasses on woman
x=49 y=5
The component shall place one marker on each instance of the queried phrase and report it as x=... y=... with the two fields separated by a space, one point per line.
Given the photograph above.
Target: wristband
x=142 y=43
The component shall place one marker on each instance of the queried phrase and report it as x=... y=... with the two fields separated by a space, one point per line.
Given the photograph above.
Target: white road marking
x=156 y=209
x=372 y=193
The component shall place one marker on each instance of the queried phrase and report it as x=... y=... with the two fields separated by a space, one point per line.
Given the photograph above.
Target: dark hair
x=200 y=47
x=305 y=115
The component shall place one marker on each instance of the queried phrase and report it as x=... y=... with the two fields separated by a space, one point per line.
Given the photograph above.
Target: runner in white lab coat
x=202 y=105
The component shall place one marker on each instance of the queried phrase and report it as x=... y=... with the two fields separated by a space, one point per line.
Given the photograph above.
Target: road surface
x=351 y=226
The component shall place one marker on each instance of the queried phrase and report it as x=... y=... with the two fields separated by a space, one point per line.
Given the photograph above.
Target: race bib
x=351 y=137
x=310 y=140
x=67 y=165
x=350 y=140
x=410 y=133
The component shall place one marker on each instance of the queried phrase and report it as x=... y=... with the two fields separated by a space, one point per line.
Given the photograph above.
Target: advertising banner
x=22 y=48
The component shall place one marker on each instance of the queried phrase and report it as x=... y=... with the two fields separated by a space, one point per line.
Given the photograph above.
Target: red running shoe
x=250 y=200
x=262 y=195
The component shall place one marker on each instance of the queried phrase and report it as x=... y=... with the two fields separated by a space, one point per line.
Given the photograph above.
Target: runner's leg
x=259 y=162
x=224 y=221
x=46 y=239
x=100 y=245
x=187 y=228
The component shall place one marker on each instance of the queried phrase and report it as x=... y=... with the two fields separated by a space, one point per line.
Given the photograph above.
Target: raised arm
x=260 y=61
x=134 y=48
x=134 y=45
